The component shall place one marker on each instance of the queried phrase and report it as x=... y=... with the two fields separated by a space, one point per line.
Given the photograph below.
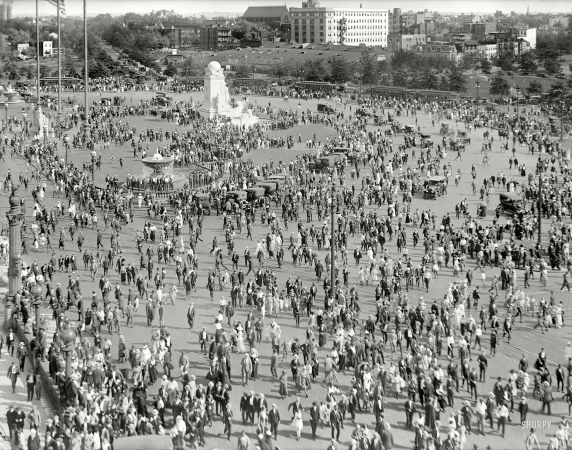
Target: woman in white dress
x=240 y=347
x=298 y=424
x=559 y=316
x=367 y=380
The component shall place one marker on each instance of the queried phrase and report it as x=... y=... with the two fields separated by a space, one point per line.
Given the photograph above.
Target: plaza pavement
x=525 y=340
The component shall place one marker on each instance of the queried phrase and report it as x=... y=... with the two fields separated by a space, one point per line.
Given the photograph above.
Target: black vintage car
x=510 y=203
x=434 y=187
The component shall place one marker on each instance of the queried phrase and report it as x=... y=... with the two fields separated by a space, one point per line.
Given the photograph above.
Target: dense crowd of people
x=369 y=190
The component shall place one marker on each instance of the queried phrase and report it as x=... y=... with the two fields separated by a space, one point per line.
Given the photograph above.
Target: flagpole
x=86 y=86
x=59 y=68
x=38 y=50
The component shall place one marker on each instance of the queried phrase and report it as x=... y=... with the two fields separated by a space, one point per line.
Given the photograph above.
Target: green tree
x=339 y=71
x=505 y=59
x=404 y=59
x=240 y=28
x=429 y=79
x=415 y=82
x=468 y=61
x=314 y=70
x=527 y=62
x=534 y=88
x=553 y=66
x=170 y=71
x=383 y=67
x=486 y=65
x=400 y=78
x=457 y=80
x=17 y=36
x=44 y=71
x=444 y=83
x=558 y=91
x=242 y=71
x=499 y=86
x=279 y=71
x=342 y=29
x=367 y=69
x=188 y=69
x=68 y=65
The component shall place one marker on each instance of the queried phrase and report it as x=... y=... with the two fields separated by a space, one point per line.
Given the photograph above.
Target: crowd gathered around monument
x=385 y=347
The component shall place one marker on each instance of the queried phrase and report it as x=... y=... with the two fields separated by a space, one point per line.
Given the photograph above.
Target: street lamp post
x=36 y=293
x=14 y=216
x=332 y=253
x=561 y=120
x=518 y=104
x=477 y=85
x=68 y=337
x=6 y=109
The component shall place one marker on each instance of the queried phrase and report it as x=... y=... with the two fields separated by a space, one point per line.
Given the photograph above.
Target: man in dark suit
x=251 y=407
x=409 y=412
x=386 y=438
x=296 y=406
x=259 y=403
x=335 y=422
x=430 y=417
x=378 y=407
x=274 y=420
x=227 y=419
x=244 y=407
x=314 y=418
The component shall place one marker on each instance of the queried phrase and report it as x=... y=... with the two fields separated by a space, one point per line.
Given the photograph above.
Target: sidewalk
x=20 y=398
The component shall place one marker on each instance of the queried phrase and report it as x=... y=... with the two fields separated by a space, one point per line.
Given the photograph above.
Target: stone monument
x=217 y=99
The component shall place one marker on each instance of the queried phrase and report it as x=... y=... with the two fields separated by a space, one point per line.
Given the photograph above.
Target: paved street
x=525 y=339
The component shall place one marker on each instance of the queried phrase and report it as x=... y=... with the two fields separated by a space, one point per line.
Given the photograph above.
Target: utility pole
x=332 y=244
x=59 y=114
x=477 y=85
x=38 y=51
x=540 y=172
x=561 y=120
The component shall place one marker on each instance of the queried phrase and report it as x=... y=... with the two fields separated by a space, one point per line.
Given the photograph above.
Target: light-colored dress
x=298 y=422
x=240 y=347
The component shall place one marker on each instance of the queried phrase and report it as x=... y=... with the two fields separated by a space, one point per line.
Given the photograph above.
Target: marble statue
x=217 y=100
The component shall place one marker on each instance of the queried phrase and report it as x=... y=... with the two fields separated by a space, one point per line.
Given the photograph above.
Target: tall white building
x=314 y=24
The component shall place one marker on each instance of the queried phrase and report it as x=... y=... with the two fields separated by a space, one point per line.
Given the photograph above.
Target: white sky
x=75 y=7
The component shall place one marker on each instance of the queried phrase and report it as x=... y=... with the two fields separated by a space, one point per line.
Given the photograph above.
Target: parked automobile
x=342 y=151
x=434 y=187
x=362 y=113
x=510 y=203
x=269 y=187
x=326 y=109
x=279 y=179
x=204 y=201
x=255 y=193
x=447 y=129
x=325 y=162
x=236 y=196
